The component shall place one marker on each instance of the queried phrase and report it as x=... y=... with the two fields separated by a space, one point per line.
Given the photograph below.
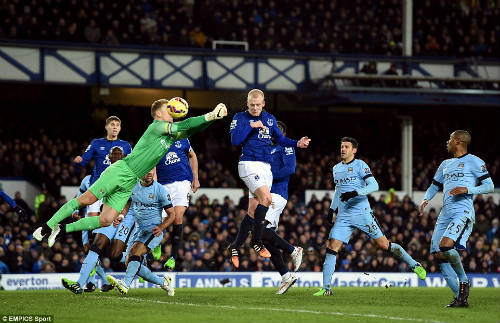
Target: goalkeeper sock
x=89 y=223
x=176 y=239
x=401 y=254
x=455 y=262
x=245 y=228
x=258 y=223
x=450 y=276
x=271 y=236
x=329 y=267
x=65 y=211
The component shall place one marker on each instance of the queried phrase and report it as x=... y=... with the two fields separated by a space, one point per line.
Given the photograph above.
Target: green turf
x=255 y=305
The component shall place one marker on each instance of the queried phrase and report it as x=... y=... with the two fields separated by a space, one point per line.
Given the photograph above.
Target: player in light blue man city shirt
x=460 y=178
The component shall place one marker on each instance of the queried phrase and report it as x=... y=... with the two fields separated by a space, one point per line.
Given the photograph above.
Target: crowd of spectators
x=210 y=225
x=46 y=159
x=441 y=28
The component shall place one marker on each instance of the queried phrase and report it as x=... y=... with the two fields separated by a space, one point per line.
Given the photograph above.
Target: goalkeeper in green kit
x=115 y=185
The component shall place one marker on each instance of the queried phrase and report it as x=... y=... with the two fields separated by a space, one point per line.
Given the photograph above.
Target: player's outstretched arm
x=187 y=128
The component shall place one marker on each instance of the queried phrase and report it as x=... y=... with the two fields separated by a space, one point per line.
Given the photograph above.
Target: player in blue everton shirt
x=98 y=151
x=253 y=130
x=353 y=181
x=282 y=167
x=178 y=172
x=148 y=200
x=460 y=178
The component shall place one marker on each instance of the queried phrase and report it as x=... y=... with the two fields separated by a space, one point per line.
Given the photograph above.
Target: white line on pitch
x=396 y=318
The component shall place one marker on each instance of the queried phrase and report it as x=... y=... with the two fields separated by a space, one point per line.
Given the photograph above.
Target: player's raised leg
x=52 y=226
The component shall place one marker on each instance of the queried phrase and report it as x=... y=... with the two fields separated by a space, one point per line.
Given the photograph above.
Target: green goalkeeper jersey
x=156 y=141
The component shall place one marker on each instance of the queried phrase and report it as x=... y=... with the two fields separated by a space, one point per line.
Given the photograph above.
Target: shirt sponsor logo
x=171 y=158
x=346 y=180
x=453 y=176
x=233 y=124
x=264 y=133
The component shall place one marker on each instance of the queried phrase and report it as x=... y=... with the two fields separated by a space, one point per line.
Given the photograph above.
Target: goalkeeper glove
x=348 y=195
x=219 y=112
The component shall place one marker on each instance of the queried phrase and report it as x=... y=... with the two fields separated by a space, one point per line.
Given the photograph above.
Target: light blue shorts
x=125 y=228
x=108 y=231
x=147 y=237
x=457 y=227
x=345 y=225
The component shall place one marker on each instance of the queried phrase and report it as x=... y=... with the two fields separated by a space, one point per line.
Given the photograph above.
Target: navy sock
x=258 y=224
x=243 y=232
x=272 y=237
x=176 y=239
x=276 y=258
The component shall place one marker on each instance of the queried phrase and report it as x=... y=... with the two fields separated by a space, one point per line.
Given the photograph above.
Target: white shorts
x=255 y=174
x=95 y=207
x=275 y=210
x=179 y=192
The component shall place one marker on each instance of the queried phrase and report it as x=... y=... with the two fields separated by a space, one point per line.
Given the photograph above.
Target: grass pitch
x=255 y=305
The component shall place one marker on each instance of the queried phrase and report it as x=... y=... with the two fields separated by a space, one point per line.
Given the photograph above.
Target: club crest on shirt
x=350 y=170
x=151 y=196
x=460 y=165
x=178 y=144
x=270 y=122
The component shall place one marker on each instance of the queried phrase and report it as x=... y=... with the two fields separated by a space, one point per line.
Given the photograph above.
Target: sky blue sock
x=329 y=267
x=91 y=280
x=450 y=276
x=87 y=267
x=99 y=271
x=132 y=269
x=456 y=263
x=146 y=273
x=401 y=254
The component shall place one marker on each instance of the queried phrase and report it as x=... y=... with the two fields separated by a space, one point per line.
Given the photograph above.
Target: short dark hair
x=353 y=141
x=282 y=126
x=113 y=118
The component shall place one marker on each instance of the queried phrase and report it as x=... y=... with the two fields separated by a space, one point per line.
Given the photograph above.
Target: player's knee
x=104 y=221
x=266 y=200
x=97 y=249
